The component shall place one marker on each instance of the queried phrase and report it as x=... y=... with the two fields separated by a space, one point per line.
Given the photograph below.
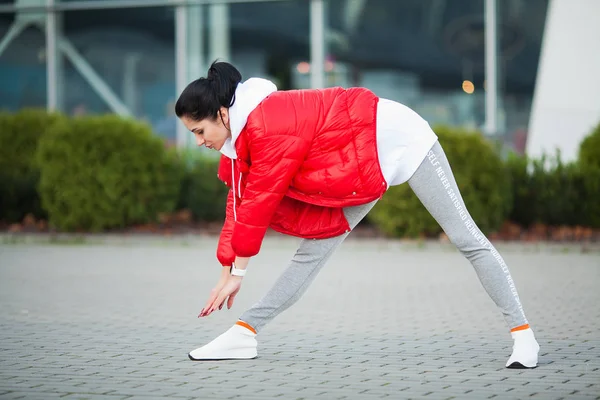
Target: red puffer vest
x=303 y=155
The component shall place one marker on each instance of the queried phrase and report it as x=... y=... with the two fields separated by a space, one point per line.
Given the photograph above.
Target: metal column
x=317 y=44
x=219 y=41
x=181 y=61
x=52 y=62
x=491 y=67
x=196 y=66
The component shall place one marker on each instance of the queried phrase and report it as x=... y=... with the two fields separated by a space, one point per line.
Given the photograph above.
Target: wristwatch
x=237 y=272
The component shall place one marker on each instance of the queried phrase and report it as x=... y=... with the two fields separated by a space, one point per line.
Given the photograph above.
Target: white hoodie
x=248 y=96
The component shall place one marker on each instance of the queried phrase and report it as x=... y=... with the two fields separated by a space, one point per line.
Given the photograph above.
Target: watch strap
x=237 y=272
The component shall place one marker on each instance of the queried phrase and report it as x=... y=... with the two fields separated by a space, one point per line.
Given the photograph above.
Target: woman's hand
x=226 y=289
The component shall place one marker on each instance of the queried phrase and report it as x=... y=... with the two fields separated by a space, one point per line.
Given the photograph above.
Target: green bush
x=19 y=173
x=202 y=192
x=480 y=175
x=548 y=191
x=555 y=192
x=589 y=162
x=106 y=172
x=590 y=203
x=589 y=149
x=522 y=193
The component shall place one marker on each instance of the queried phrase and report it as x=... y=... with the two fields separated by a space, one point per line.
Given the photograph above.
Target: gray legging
x=434 y=185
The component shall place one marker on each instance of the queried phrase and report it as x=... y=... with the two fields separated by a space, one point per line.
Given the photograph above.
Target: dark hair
x=204 y=97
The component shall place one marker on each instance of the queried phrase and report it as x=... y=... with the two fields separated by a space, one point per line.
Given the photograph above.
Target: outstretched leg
x=239 y=341
x=436 y=188
x=310 y=257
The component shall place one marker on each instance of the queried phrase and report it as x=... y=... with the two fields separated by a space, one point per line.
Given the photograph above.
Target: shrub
x=106 y=172
x=202 y=192
x=522 y=193
x=590 y=205
x=589 y=149
x=556 y=189
x=480 y=175
x=589 y=163
x=19 y=173
x=550 y=192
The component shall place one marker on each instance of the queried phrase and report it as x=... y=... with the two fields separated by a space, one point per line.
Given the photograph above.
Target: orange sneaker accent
x=520 y=328
x=245 y=325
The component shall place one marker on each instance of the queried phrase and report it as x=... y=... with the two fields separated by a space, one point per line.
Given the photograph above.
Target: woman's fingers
x=214 y=294
x=211 y=299
x=207 y=307
x=221 y=305
x=232 y=297
x=219 y=301
x=230 y=300
x=214 y=305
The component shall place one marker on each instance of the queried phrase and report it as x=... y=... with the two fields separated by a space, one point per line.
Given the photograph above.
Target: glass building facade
x=133 y=57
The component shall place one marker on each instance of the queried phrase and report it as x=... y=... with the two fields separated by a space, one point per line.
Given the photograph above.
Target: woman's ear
x=224 y=116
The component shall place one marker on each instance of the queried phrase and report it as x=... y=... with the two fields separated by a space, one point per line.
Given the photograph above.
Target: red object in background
x=520 y=140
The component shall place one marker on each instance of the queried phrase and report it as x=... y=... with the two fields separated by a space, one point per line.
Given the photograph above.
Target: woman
x=312 y=163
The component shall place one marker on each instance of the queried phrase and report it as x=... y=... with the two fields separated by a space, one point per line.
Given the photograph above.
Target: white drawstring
x=233 y=187
x=240 y=185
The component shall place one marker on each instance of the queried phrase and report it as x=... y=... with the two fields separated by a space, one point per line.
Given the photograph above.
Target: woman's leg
x=310 y=257
x=239 y=342
x=434 y=185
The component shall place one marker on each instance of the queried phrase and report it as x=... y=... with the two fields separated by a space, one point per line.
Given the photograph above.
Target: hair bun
x=212 y=73
x=204 y=97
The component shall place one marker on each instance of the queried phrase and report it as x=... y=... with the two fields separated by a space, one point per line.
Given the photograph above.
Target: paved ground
x=383 y=320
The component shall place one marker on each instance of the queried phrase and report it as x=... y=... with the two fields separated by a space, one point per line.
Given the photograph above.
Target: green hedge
x=551 y=192
x=589 y=161
x=547 y=191
x=202 y=192
x=480 y=175
x=589 y=150
x=19 y=172
x=106 y=172
x=591 y=199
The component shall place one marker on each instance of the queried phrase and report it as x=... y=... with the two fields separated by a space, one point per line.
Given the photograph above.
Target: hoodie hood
x=248 y=96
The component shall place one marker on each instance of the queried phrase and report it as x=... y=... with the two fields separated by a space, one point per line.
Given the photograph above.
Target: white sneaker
x=525 y=350
x=238 y=342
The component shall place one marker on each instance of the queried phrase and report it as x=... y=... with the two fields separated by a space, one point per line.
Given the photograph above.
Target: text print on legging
x=471 y=227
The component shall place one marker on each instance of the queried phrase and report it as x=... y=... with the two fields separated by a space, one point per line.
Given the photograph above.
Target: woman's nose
x=199 y=141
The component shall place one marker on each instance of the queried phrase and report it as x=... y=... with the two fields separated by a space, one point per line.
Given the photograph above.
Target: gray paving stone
x=116 y=321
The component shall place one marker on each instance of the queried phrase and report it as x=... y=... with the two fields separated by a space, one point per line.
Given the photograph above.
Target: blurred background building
x=498 y=66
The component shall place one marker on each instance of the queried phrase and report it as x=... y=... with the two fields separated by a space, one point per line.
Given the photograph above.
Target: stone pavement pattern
x=382 y=320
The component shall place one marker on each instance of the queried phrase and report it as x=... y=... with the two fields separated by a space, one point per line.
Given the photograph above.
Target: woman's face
x=211 y=134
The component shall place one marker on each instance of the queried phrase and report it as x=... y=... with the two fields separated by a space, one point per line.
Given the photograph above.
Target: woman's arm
x=275 y=161
x=241 y=262
x=227 y=286
x=225 y=253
